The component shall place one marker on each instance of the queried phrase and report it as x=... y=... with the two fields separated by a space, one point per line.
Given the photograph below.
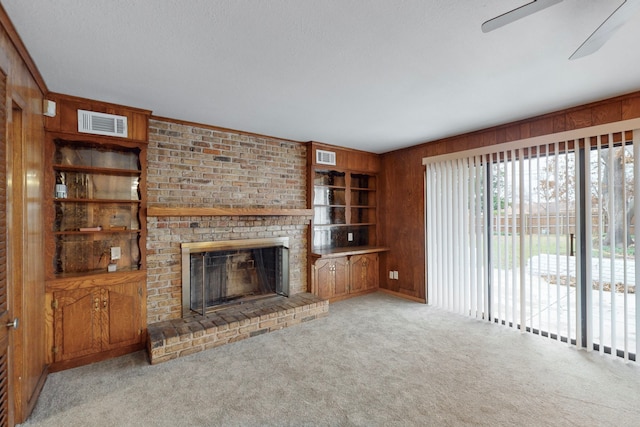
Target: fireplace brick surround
x=199 y=167
x=164 y=273
x=194 y=166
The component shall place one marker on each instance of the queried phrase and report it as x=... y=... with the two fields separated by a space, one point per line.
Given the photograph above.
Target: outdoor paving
x=551 y=308
x=543 y=263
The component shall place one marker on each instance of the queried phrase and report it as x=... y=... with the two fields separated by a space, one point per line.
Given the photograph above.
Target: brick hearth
x=173 y=338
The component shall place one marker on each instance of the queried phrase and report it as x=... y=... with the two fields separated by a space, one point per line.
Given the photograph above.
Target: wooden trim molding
x=159 y=211
x=100 y=106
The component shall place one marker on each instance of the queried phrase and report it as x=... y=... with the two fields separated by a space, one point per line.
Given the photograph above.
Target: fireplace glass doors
x=225 y=274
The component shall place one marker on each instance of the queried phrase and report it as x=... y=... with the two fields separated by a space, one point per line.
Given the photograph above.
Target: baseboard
x=403 y=296
x=98 y=357
x=352 y=295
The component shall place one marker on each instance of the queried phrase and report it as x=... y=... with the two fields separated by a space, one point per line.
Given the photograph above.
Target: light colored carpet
x=375 y=361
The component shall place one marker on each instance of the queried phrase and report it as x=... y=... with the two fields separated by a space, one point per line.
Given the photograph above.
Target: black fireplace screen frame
x=208 y=266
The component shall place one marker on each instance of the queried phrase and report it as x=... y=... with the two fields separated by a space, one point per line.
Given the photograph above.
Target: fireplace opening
x=231 y=272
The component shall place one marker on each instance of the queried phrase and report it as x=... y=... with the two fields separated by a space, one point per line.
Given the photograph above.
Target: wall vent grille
x=324 y=157
x=102 y=124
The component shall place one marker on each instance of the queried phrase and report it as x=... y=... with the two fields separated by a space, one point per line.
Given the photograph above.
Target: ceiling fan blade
x=600 y=36
x=515 y=14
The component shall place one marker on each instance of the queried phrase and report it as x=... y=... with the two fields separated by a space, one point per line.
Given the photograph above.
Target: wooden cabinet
x=76 y=324
x=91 y=320
x=363 y=272
x=95 y=238
x=344 y=242
x=339 y=277
x=332 y=277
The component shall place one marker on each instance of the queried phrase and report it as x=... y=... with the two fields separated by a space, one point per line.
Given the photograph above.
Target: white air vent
x=102 y=124
x=325 y=157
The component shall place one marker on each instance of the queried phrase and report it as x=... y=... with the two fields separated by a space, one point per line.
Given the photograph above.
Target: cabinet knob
x=13 y=324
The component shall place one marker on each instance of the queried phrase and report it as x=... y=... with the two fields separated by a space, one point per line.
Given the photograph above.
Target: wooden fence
x=543 y=224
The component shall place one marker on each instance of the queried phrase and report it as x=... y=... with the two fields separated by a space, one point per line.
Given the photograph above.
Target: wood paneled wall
x=25 y=154
x=346 y=158
x=402 y=186
x=66 y=118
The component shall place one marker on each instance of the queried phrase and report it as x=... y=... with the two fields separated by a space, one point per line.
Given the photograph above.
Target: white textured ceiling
x=376 y=75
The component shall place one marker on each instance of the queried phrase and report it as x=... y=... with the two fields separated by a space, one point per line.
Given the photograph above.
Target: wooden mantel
x=187 y=211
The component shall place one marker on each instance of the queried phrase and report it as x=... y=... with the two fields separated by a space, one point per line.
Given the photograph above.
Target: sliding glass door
x=533 y=229
x=611 y=267
x=539 y=235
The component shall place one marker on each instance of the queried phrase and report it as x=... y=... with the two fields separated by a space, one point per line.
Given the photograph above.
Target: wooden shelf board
x=97 y=170
x=186 y=211
x=345 y=251
x=112 y=201
x=94 y=278
x=352 y=224
x=93 y=232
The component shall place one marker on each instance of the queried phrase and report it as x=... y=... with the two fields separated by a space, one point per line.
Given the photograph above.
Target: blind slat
x=636 y=202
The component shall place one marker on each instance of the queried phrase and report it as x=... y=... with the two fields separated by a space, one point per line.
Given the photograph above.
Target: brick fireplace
x=193 y=168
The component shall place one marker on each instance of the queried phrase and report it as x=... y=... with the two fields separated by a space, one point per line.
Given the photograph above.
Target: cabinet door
x=364 y=272
x=331 y=277
x=324 y=278
x=76 y=323
x=121 y=317
x=340 y=276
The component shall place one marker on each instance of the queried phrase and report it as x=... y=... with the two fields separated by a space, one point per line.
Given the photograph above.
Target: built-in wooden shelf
x=347 y=251
x=173 y=211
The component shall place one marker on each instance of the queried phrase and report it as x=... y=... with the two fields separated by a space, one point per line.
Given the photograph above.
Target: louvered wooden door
x=4 y=312
x=4 y=315
x=4 y=319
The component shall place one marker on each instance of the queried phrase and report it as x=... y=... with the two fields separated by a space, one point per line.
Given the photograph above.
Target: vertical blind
x=539 y=234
